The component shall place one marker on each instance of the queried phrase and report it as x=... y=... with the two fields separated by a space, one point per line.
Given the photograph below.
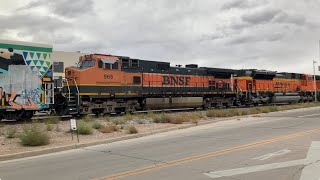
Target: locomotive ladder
x=73 y=103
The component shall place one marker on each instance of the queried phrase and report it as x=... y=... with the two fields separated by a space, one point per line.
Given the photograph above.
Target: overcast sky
x=281 y=35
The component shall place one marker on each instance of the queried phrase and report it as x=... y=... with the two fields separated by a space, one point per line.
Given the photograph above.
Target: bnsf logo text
x=171 y=80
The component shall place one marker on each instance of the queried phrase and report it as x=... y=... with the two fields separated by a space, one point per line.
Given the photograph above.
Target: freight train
x=103 y=84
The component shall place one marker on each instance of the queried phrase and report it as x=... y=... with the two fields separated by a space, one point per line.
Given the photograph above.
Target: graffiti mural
x=25 y=68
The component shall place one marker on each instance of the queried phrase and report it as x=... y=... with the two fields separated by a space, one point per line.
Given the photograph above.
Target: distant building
x=61 y=60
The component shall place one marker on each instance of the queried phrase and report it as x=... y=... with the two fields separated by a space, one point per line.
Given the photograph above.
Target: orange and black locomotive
x=114 y=84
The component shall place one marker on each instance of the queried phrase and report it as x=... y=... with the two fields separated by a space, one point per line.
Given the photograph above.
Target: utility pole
x=314 y=81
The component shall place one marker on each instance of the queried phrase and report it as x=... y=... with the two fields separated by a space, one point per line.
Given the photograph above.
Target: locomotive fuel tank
x=176 y=102
x=285 y=98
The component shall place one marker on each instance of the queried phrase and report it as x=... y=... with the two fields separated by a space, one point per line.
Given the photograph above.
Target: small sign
x=319 y=68
x=73 y=124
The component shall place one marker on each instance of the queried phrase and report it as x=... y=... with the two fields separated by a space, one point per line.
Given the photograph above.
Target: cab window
x=109 y=64
x=87 y=64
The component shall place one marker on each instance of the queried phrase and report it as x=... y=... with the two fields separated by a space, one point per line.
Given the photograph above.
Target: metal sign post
x=73 y=127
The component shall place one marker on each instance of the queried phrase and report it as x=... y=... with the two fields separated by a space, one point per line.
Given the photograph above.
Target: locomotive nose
x=71 y=74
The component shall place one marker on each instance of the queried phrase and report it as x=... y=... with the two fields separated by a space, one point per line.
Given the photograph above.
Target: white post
x=314 y=81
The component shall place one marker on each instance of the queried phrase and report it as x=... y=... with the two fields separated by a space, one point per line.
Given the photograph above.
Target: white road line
x=265 y=167
x=309 y=115
x=310 y=172
x=278 y=153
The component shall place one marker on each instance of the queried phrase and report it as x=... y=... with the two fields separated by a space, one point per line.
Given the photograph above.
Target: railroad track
x=44 y=116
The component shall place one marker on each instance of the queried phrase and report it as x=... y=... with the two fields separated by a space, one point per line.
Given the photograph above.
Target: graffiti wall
x=24 y=69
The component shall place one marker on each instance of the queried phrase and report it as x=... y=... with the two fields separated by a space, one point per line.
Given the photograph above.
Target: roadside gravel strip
x=260 y=116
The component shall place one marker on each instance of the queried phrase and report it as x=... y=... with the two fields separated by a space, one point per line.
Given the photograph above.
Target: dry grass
x=131 y=129
x=109 y=128
x=151 y=115
x=128 y=117
x=87 y=118
x=163 y=118
x=106 y=129
x=217 y=113
x=10 y=132
x=53 y=120
x=118 y=121
x=97 y=125
x=255 y=110
x=179 y=119
x=49 y=127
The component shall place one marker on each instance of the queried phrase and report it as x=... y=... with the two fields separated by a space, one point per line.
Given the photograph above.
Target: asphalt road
x=280 y=145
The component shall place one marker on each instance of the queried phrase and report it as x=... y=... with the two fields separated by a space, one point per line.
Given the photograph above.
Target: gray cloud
x=284 y=17
x=261 y=16
x=64 y=8
x=254 y=39
x=32 y=22
x=210 y=33
x=242 y=4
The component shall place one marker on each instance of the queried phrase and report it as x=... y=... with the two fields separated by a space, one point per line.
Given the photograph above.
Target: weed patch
x=131 y=129
x=84 y=128
x=11 y=132
x=34 y=136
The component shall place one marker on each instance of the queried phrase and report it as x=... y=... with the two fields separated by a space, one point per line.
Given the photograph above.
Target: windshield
x=87 y=64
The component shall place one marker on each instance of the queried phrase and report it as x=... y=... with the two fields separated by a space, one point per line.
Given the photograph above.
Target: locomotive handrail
x=75 y=82
x=68 y=88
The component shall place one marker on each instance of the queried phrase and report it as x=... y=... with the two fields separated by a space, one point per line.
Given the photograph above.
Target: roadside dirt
x=60 y=134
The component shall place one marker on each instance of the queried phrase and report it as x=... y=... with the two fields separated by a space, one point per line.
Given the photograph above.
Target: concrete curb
x=106 y=141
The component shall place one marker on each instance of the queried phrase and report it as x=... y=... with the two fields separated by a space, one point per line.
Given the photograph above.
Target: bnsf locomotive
x=114 y=84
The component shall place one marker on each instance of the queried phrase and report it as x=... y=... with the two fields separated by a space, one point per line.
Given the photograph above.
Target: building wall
x=68 y=59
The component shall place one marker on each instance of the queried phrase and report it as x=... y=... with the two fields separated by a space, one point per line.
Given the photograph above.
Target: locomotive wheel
x=131 y=109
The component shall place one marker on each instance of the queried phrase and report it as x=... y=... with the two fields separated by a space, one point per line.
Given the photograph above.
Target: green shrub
x=49 y=127
x=87 y=118
x=131 y=129
x=84 y=128
x=97 y=125
x=163 y=118
x=34 y=136
x=11 y=132
x=118 y=121
x=106 y=118
x=52 y=120
x=128 y=117
x=273 y=108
